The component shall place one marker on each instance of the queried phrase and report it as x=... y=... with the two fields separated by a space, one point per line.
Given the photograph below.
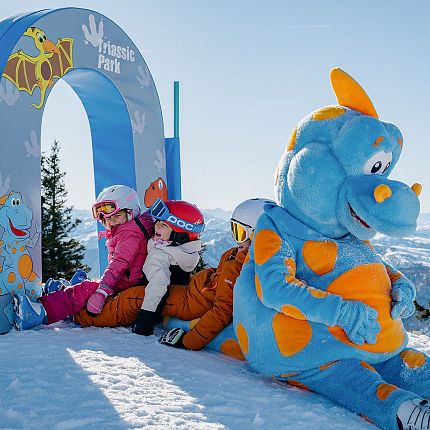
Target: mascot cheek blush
x=315 y=305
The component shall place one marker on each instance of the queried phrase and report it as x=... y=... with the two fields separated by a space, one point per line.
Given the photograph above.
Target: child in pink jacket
x=127 y=232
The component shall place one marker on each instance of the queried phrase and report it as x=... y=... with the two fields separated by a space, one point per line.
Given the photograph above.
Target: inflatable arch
x=106 y=70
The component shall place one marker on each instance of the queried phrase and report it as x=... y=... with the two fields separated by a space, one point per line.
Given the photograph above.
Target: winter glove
x=98 y=299
x=54 y=285
x=358 y=322
x=145 y=323
x=403 y=295
x=173 y=338
x=79 y=276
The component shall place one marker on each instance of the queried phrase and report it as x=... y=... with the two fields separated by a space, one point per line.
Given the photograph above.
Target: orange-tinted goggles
x=240 y=232
x=106 y=209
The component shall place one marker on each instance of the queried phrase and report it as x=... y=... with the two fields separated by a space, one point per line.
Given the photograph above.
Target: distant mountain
x=410 y=255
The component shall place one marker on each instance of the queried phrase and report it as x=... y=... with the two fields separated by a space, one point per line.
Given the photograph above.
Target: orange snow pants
x=122 y=309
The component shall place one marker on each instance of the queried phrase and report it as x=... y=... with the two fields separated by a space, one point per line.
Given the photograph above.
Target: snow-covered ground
x=62 y=377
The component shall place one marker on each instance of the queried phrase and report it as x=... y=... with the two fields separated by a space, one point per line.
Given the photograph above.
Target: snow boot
x=54 y=285
x=414 y=415
x=27 y=314
x=79 y=276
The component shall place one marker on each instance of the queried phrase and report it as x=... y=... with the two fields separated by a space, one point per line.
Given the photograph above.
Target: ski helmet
x=245 y=216
x=184 y=218
x=115 y=198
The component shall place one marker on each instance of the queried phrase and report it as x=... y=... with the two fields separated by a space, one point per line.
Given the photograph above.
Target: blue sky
x=249 y=71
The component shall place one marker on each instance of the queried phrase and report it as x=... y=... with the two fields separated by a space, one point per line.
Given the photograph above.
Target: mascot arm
x=402 y=292
x=283 y=292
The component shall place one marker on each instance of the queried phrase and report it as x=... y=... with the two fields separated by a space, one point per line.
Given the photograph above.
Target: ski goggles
x=240 y=232
x=161 y=212
x=105 y=209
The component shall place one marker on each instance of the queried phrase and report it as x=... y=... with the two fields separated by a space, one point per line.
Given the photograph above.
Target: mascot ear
x=349 y=93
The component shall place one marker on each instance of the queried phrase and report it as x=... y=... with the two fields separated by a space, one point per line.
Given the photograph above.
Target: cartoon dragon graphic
x=54 y=61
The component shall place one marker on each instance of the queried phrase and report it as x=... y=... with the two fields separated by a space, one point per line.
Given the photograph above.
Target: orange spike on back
x=350 y=93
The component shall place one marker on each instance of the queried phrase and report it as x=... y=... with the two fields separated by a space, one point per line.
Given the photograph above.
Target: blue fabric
x=355 y=387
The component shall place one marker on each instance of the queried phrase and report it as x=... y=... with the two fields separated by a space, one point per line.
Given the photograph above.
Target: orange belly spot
x=371 y=285
x=25 y=266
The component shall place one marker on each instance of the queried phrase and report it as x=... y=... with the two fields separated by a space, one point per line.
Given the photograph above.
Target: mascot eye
x=40 y=39
x=160 y=185
x=378 y=164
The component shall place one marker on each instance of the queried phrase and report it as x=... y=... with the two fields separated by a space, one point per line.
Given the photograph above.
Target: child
x=209 y=295
x=127 y=232
x=173 y=251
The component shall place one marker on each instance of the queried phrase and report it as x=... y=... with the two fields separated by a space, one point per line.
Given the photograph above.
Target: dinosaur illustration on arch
x=17 y=275
x=53 y=61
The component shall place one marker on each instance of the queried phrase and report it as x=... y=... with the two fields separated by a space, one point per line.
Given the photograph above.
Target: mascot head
x=333 y=175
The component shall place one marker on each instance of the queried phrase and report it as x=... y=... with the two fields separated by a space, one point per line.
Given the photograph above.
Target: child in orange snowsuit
x=207 y=301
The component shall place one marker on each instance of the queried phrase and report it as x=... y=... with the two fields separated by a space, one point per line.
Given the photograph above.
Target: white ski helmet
x=246 y=214
x=115 y=198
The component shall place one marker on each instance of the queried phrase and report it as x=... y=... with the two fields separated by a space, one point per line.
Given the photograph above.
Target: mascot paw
x=403 y=295
x=358 y=321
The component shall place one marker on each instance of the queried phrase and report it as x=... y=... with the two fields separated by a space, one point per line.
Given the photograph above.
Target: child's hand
x=98 y=299
x=403 y=295
x=145 y=323
x=358 y=321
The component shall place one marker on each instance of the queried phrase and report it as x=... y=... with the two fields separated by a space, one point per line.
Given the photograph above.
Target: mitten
x=173 y=338
x=98 y=299
x=145 y=323
x=358 y=321
x=403 y=295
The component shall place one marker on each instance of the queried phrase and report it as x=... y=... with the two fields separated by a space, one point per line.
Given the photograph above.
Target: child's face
x=162 y=230
x=114 y=220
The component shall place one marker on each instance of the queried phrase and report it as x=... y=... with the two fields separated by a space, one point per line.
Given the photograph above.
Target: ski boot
x=79 y=276
x=414 y=415
x=54 y=285
x=27 y=314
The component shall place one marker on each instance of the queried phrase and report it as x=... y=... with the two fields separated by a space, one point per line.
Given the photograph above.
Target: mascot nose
x=382 y=192
x=416 y=188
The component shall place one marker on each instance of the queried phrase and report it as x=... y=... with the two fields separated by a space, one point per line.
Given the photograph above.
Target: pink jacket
x=127 y=248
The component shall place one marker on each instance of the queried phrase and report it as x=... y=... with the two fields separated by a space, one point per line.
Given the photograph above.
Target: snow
x=63 y=377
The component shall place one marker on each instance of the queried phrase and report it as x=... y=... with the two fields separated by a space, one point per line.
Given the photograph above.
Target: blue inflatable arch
x=106 y=70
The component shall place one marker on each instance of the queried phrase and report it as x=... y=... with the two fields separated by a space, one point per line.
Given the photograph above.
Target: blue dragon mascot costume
x=315 y=305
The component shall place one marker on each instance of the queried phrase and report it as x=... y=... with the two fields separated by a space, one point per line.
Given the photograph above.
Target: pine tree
x=61 y=255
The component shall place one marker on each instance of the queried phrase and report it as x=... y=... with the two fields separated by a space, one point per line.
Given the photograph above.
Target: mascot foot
x=27 y=314
x=414 y=415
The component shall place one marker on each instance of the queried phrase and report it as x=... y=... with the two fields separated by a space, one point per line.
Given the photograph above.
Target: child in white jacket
x=173 y=252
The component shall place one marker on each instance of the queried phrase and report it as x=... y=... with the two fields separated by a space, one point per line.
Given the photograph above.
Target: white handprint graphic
x=139 y=123
x=144 y=77
x=161 y=160
x=9 y=93
x=93 y=36
x=33 y=148
x=4 y=186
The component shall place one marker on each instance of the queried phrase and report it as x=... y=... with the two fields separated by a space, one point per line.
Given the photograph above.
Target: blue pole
x=176 y=109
